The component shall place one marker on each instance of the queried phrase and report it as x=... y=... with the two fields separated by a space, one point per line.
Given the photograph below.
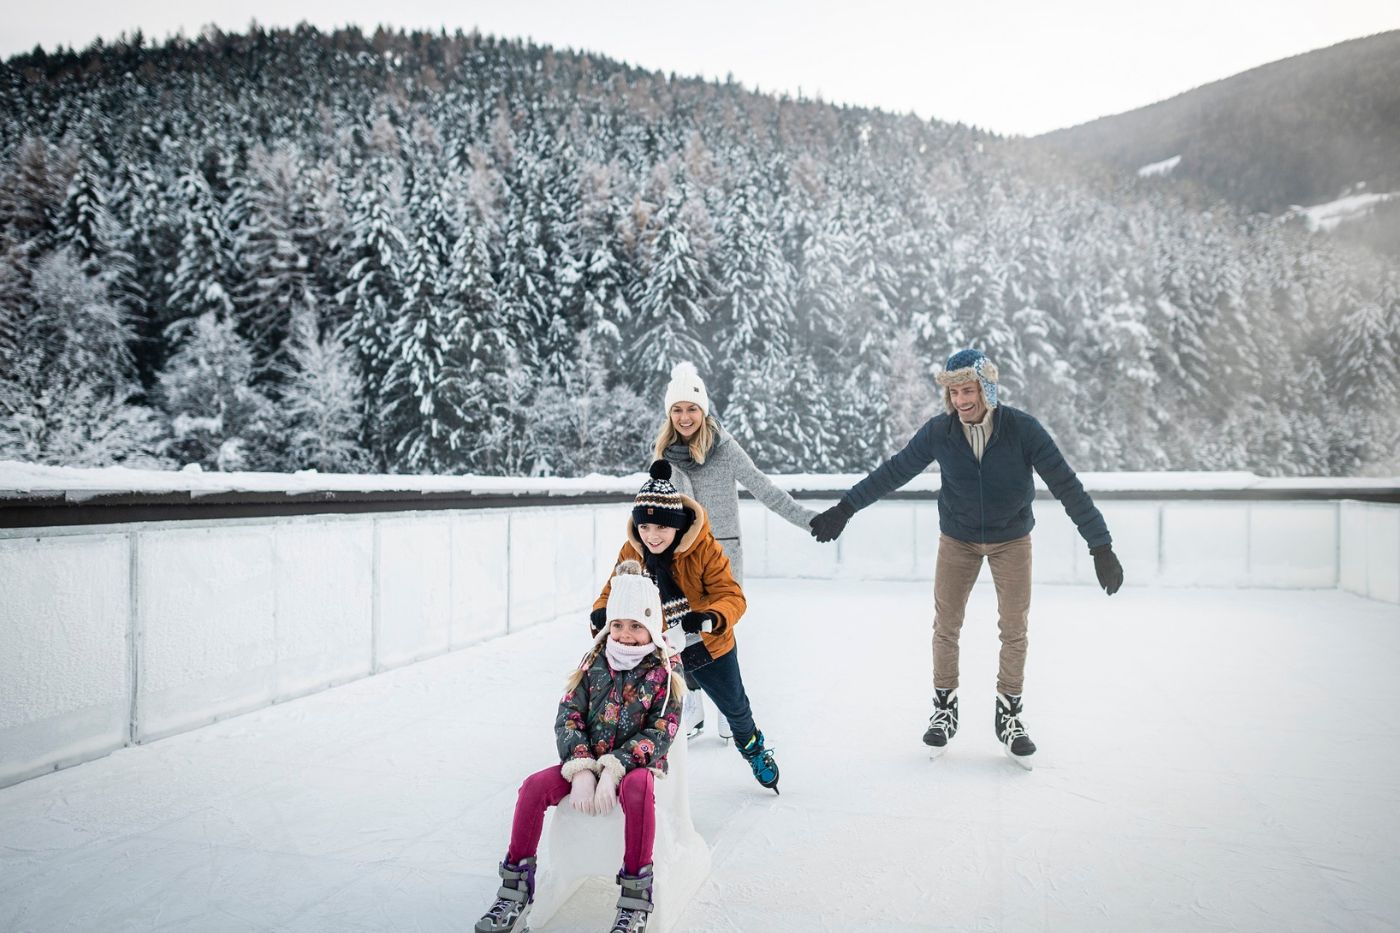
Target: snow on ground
x=1211 y=760
x=1162 y=168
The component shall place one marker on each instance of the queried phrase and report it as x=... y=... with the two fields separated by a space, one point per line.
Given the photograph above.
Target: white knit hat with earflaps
x=634 y=596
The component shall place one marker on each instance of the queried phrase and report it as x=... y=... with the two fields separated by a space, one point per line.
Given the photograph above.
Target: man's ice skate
x=760 y=759
x=725 y=733
x=634 y=905
x=693 y=713
x=510 y=912
x=943 y=724
x=1011 y=733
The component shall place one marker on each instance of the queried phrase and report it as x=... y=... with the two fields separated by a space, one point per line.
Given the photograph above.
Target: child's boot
x=760 y=759
x=943 y=724
x=513 y=899
x=634 y=905
x=1011 y=733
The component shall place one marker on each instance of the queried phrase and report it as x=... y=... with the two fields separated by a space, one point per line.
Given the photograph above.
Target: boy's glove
x=1107 y=568
x=582 y=791
x=696 y=622
x=828 y=525
x=606 y=796
x=597 y=619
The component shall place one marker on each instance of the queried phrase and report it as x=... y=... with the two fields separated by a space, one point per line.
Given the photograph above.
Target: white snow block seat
x=579 y=848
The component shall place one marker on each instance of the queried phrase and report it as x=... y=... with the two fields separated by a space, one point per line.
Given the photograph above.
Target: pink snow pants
x=544 y=789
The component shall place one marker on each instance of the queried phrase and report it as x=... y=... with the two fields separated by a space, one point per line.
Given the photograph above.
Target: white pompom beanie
x=634 y=596
x=687 y=386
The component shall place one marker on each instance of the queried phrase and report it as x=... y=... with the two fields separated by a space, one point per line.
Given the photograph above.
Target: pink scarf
x=625 y=657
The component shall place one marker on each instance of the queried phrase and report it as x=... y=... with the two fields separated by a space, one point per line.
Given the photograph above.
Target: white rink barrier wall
x=120 y=634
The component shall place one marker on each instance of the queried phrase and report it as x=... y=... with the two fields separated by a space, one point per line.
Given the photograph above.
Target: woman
x=710 y=466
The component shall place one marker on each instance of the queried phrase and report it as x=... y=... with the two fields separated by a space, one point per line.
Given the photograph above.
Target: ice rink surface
x=1211 y=759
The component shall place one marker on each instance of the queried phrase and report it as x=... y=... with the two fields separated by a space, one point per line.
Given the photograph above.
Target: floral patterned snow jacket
x=618 y=720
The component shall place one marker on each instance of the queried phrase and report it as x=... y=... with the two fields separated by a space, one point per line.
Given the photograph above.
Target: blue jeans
x=724 y=685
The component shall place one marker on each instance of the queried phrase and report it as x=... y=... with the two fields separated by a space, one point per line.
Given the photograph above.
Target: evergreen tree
x=669 y=299
x=218 y=419
x=321 y=405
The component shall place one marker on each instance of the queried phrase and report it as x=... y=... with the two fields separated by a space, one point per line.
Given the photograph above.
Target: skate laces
x=501 y=909
x=1012 y=726
x=942 y=718
x=623 y=923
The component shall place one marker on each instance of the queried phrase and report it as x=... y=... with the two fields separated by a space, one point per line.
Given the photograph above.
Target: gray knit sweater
x=713 y=485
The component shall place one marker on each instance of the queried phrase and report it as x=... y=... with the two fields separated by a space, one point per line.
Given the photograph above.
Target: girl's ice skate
x=510 y=912
x=634 y=906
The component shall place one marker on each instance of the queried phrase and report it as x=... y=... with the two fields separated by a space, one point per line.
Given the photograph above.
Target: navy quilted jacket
x=987 y=502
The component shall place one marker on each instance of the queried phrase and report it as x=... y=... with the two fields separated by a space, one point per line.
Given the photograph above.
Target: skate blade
x=1022 y=760
x=936 y=752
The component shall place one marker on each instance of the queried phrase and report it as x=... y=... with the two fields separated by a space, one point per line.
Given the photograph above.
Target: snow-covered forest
x=427 y=252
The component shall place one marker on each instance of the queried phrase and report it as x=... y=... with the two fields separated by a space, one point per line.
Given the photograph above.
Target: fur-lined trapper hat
x=965 y=366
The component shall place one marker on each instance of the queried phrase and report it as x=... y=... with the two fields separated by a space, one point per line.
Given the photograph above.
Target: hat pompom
x=661 y=469
x=628 y=567
x=685 y=371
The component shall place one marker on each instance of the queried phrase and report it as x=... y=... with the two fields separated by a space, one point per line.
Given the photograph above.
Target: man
x=985 y=454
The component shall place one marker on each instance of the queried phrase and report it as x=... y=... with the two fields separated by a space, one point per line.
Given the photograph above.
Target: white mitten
x=606 y=798
x=581 y=791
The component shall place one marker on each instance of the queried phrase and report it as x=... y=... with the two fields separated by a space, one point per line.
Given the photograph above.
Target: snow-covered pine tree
x=752 y=301
x=67 y=393
x=218 y=419
x=277 y=245
x=204 y=278
x=669 y=300
x=373 y=295
x=426 y=387
x=320 y=408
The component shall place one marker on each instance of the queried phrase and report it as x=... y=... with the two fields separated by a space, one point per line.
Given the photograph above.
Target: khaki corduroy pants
x=959 y=563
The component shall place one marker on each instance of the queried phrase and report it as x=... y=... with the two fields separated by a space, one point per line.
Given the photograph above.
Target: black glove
x=828 y=525
x=696 y=622
x=597 y=619
x=1106 y=566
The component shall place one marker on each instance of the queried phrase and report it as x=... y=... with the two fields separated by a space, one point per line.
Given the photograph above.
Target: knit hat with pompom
x=658 y=502
x=687 y=386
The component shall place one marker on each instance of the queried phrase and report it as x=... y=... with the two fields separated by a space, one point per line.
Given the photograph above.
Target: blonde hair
x=700 y=443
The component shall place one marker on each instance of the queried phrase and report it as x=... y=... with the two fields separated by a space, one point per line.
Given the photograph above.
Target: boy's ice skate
x=1011 y=733
x=760 y=759
x=693 y=713
x=510 y=912
x=634 y=905
x=725 y=733
x=943 y=724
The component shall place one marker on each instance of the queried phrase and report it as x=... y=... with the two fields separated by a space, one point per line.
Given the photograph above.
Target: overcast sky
x=1013 y=66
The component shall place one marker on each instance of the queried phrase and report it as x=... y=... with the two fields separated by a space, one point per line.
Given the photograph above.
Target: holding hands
x=582 y=792
x=828 y=525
